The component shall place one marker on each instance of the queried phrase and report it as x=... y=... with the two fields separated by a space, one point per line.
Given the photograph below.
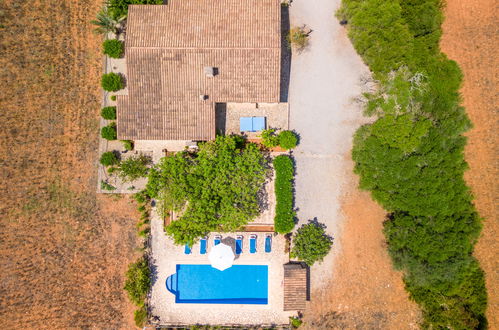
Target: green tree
x=134 y=167
x=216 y=189
x=138 y=281
x=111 y=82
x=113 y=48
x=311 y=243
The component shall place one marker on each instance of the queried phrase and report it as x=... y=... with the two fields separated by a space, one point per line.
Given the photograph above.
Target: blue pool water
x=203 y=284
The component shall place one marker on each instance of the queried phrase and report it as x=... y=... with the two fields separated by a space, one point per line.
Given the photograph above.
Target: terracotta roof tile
x=167 y=50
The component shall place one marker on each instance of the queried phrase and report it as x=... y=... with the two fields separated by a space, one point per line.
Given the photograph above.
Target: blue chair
x=202 y=246
x=239 y=244
x=253 y=244
x=217 y=240
x=268 y=243
x=187 y=249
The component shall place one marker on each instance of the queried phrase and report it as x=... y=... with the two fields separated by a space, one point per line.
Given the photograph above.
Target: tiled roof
x=295 y=287
x=167 y=49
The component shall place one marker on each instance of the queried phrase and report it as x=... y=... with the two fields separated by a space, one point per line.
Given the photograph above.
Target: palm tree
x=105 y=23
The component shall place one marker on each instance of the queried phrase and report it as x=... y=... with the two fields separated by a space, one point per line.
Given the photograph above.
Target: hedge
x=138 y=281
x=113 y=48
x=284 y=220
x=411 y=158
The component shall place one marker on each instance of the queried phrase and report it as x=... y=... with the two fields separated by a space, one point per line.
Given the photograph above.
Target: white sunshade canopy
x=221 y=256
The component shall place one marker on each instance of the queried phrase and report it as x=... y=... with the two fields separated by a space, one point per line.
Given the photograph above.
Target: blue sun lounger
x=268 y=243
x=187 y=249
x=253 y=244
x=217 y=240
x=202 y=246
x=239 y=244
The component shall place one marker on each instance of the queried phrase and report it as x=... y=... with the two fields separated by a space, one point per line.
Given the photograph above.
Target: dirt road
x=63 y=249
x=470 y=38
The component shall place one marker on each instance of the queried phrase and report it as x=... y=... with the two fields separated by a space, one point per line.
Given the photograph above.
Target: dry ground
x=364 y=292
x=470 y=38
x=63 y=249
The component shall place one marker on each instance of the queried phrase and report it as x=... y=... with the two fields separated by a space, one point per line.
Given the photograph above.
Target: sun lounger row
x=203 y=243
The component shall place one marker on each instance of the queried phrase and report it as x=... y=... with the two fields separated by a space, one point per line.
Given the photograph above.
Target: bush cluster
x=284 y=220
x=109 y=132
x=411 y=157
x=138 y=281
x=113 y=48
x=298 y=38
x=285 y=139
x=111 y=82
x=108 y=113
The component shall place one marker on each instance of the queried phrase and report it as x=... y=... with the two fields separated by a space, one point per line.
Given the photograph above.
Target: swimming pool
x=203 y=284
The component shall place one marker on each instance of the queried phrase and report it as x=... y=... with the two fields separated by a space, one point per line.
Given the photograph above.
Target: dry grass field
x=470 y=38
x=63 y=248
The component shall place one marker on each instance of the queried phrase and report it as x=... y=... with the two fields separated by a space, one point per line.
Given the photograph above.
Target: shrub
x=109 y=158
x=269 y=138
x=288 y=140
x=284 y=220
x=113 y=97
x=109 y=132
x=108 y=113
x=140 y=316
x=106 y=186
x=298 y=38
x=310 y=243
x=138 y=281
x=127 y=144
x=295 y=322
x=111 y=82
x=134 y=167
x=113 y=48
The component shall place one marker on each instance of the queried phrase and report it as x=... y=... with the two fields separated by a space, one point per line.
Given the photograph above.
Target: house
x=188 y=56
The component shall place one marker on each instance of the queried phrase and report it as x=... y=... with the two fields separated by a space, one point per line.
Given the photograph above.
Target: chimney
x=210 y=71
x=203 y=97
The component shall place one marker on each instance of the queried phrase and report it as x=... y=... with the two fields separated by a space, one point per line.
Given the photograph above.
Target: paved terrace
x=166 y=256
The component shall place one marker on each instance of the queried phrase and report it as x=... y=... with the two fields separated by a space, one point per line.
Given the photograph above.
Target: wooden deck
x=295 y=287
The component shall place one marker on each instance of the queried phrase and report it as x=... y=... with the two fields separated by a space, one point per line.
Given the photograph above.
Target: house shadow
x=285 y=54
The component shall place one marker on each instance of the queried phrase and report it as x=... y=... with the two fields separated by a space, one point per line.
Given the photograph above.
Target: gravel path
x=324 y=80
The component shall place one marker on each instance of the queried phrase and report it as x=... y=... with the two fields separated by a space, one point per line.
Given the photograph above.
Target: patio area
x=166 y=256
x=228 y=116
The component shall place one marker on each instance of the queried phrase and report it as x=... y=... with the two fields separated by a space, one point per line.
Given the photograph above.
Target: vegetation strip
x=411 y=157
x=284 y=212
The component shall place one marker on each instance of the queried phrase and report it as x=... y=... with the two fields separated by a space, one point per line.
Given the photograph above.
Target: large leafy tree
x=215 y=189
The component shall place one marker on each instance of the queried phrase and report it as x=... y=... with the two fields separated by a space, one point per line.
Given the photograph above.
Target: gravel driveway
x=324 y=79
